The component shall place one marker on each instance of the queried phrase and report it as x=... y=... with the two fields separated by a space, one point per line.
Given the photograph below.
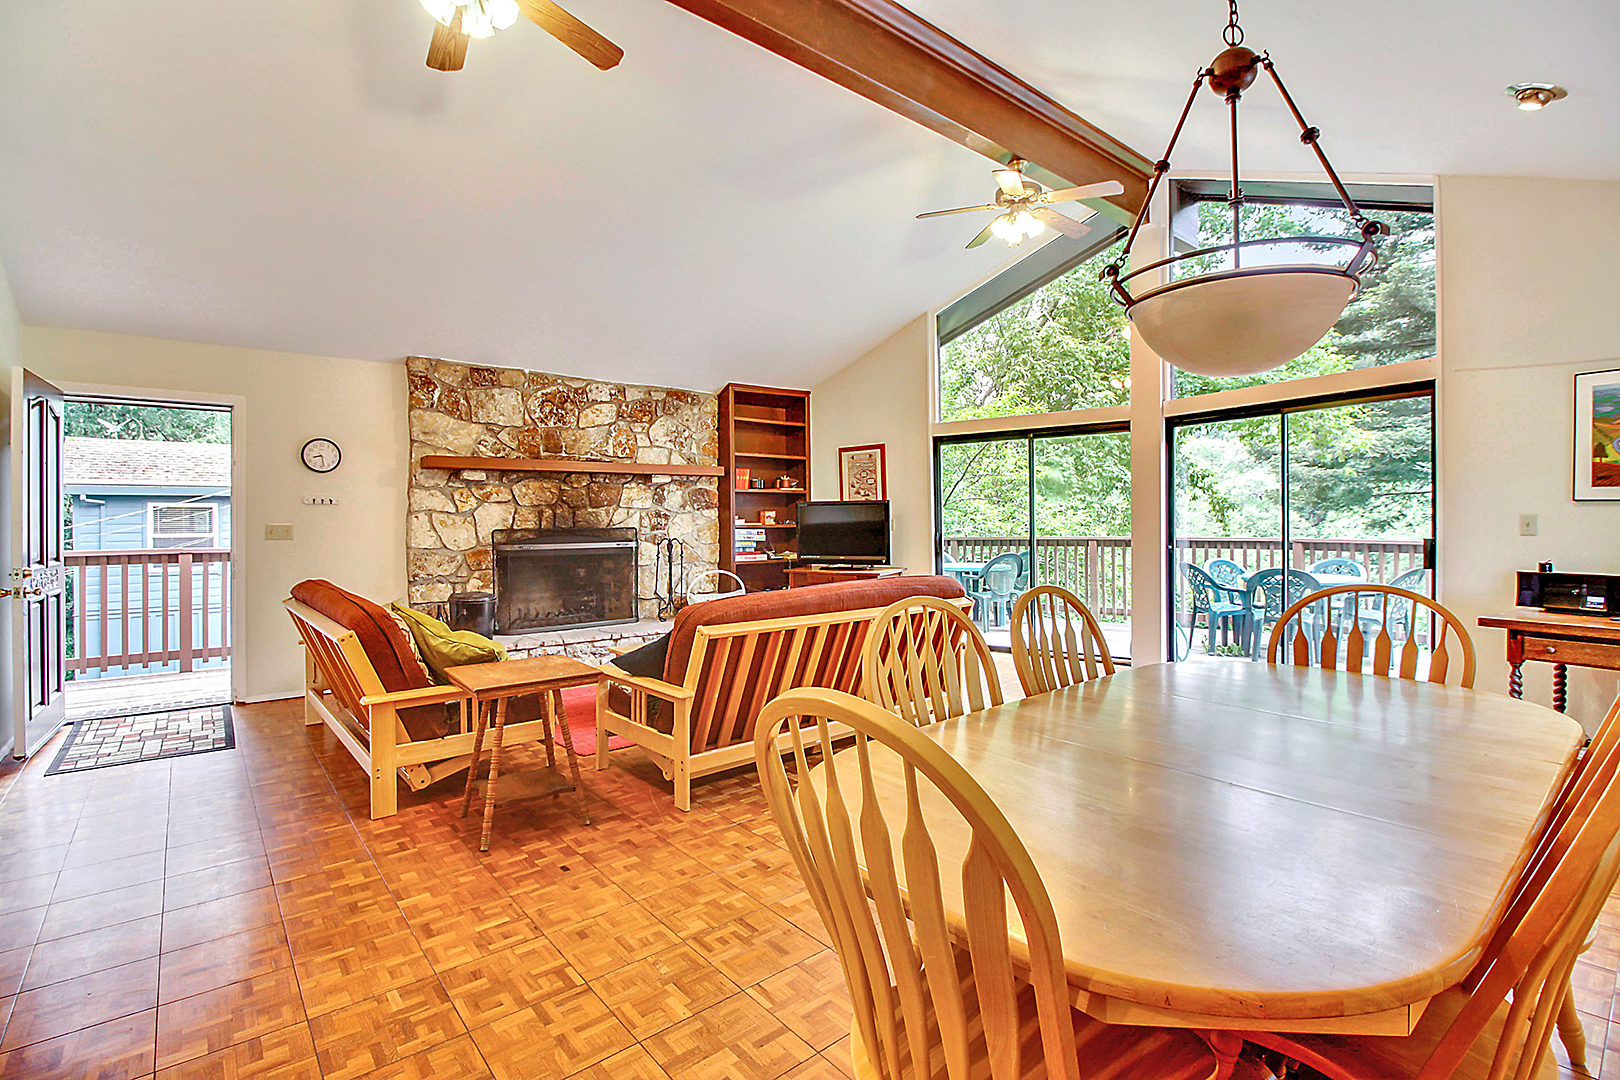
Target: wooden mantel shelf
x=504 y=464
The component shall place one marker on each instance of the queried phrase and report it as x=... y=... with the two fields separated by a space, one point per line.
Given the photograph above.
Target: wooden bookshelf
x=766 y=430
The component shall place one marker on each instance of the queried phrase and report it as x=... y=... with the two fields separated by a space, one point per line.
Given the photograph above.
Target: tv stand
x=822 y=573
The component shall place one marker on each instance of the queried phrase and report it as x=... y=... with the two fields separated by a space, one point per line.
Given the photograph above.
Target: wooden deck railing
x=1098 y=568
x=149 y=606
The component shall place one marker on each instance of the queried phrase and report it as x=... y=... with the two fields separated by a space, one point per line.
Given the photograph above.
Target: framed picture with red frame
x=863 y=473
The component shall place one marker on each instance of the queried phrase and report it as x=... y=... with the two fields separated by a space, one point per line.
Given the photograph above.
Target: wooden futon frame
x=342 y=691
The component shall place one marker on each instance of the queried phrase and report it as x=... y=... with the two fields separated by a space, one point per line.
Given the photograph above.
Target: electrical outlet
x=1527 y=524
x=320 y=500
x=280 y=530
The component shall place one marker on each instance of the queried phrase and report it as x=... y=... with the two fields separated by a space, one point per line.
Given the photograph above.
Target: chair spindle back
x=925 y=660
x=1056 y=641
x=923 y=1008
x=1375 y=628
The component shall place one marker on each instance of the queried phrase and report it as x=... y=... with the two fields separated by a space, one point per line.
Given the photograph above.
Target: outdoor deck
x=88 y=699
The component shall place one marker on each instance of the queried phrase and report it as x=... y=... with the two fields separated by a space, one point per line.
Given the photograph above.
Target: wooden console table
x=1560 y=640
x=820 y=575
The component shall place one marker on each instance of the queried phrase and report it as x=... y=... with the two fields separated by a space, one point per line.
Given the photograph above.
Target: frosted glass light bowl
x=1241 y=322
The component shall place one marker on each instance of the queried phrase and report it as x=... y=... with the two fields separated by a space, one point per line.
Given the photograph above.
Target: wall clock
x=321 y=455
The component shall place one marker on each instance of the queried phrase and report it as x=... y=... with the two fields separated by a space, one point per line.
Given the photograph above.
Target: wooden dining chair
x=934 y=1002
x=925 y=660
x=1373 y=628
x=1056 y=641
x=1497 y=1024
x=1601 y=752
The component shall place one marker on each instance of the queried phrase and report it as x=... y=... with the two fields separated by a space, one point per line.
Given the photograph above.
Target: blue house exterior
x=154 y=497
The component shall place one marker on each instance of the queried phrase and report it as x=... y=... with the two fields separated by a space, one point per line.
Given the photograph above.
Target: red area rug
x=580 y=701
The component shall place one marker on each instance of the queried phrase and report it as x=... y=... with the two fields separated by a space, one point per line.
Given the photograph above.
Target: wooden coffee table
x=491 y=687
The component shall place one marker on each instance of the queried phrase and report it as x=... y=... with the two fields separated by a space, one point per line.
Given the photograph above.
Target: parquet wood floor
x=237 y=915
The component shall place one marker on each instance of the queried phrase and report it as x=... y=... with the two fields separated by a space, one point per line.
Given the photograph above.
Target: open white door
x=38 y=578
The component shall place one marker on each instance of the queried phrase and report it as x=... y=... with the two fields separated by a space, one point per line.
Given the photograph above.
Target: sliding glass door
x=1030 y=509
x=1083 y=524
x=1266 y=508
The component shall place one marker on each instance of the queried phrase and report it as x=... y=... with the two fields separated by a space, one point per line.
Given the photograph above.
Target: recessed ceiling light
x=1532 y=96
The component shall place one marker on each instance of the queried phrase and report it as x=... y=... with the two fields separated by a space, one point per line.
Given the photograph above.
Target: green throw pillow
x=442 y=647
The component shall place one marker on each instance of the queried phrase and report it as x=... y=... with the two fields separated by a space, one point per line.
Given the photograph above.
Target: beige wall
x=884 y=397
x=1529 y=295
x=287 y=399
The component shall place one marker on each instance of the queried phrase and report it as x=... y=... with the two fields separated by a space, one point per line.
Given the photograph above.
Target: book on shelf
x=752 y=556
x=741 y=482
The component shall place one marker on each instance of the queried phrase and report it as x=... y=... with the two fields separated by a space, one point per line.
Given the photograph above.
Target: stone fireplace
x=563 y=579
x=456 y=515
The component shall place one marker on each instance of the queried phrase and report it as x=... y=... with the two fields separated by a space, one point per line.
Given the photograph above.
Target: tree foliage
x=167 y=423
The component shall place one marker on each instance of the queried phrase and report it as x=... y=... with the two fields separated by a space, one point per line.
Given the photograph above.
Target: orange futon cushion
x=786 y=603
x=386 y=647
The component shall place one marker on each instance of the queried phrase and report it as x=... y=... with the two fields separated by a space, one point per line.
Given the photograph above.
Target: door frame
x=240 y=496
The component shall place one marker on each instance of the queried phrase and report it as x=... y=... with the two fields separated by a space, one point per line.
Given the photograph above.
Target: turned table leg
x=1516 y=680
x=1226 y=1046
x=494 y=774
x=1560 y=686
x=478 y=748
x=568 y=750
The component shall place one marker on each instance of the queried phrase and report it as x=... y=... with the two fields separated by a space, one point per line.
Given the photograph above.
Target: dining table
x=1240 y=847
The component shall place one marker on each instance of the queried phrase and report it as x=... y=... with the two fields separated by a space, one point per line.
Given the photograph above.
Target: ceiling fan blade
x=1088 y=191
x=1011 y=181
x=1054 y=220
x=958 y=210
x=572 y=33
x=983 y=235
x=448 y=49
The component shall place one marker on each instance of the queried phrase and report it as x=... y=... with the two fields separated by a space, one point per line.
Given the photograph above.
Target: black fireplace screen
x=548 y=579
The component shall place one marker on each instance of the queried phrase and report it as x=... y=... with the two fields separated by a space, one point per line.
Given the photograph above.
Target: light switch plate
x=278 y=530
x=1527 y=524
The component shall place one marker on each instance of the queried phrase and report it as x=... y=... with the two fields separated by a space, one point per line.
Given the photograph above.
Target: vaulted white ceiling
x=291 y=176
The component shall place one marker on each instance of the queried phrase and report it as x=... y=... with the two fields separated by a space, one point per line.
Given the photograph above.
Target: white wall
x=1529 y=295
x=289 y=398
x=884 y=397
x=10 y=329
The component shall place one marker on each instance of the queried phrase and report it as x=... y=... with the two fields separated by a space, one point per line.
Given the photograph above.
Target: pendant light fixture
x=1242 y=319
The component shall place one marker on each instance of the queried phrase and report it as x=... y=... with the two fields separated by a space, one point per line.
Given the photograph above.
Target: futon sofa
x=726 y=659
x=365 y=681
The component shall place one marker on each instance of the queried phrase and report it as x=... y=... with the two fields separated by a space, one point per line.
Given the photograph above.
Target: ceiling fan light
x=502 y=13
x=443 y=11
x=1028 y=224
x=475 y=21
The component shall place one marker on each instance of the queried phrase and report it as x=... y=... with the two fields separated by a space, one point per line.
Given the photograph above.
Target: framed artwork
x=863 y=474
x=1597 y=435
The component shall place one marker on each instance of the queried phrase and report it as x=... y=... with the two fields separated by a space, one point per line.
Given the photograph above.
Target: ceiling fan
x=459 y=20
x=1026 y=208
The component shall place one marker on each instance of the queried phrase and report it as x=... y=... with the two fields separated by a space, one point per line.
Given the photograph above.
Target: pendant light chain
x=1233 y=34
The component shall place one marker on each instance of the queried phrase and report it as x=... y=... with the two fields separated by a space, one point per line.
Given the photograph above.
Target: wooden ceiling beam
x=889 y=55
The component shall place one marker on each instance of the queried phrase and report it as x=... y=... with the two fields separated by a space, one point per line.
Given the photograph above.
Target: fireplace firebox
x=557 y=579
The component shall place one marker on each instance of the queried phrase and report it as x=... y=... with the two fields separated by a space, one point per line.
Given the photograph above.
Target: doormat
x=123 y=740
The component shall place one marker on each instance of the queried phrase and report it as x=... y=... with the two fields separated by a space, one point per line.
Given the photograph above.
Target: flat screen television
x=844 y=532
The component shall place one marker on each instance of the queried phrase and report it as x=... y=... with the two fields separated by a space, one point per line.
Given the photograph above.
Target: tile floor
x=237 y=915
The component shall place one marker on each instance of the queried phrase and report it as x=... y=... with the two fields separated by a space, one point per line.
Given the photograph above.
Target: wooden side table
x=819 y=575
x=1554 y=638
x=491 y=687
